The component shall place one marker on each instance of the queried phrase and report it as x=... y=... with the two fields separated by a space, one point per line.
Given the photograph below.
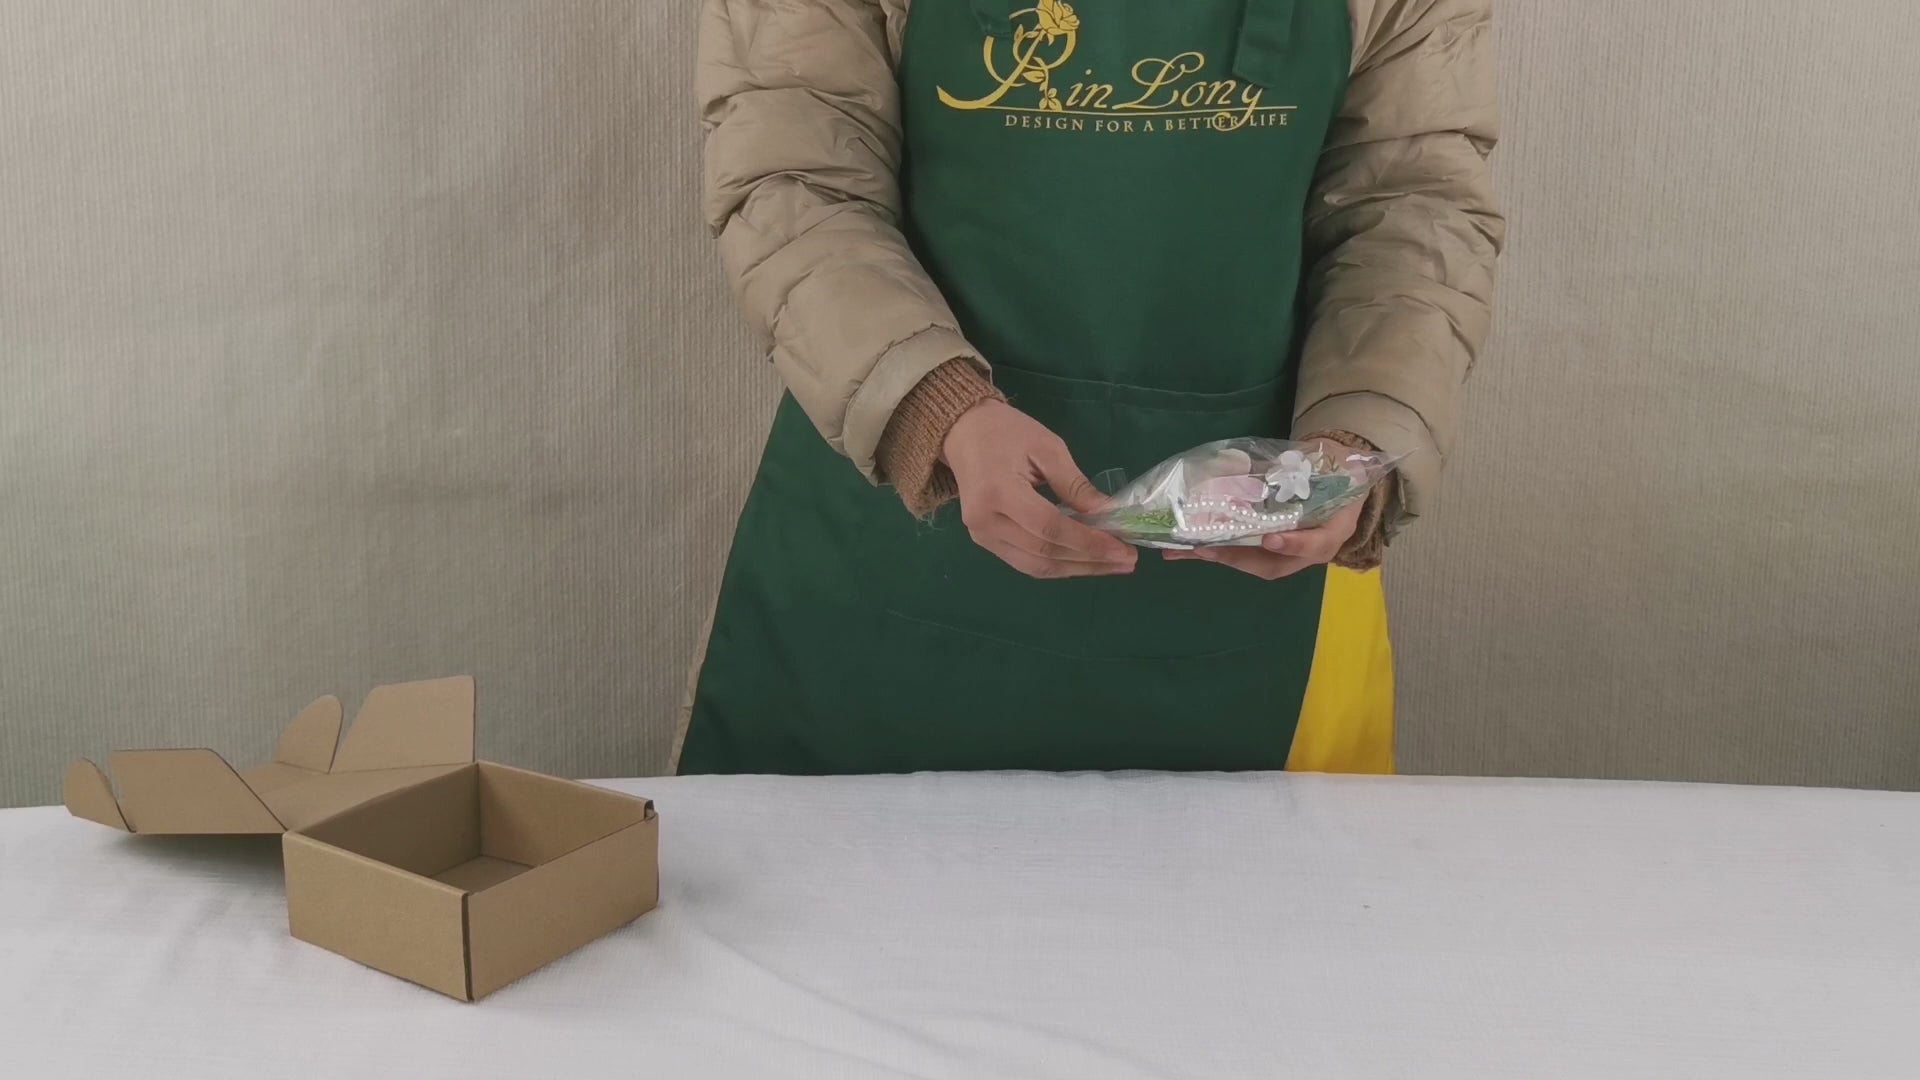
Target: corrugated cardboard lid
x=404 y=733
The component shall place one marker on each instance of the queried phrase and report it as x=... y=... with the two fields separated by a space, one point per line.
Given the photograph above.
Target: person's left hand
x=1283 y=554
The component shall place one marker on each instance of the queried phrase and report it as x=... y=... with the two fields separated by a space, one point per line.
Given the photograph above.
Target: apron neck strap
x=1266 y=30
x=995 y=16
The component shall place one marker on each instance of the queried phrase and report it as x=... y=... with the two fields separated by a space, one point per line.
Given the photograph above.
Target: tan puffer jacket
x=803 y=143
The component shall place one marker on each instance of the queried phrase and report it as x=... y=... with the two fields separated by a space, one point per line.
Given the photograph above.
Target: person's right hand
x=999 y=456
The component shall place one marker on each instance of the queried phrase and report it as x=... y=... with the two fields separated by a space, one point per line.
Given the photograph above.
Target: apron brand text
x=1160 y=94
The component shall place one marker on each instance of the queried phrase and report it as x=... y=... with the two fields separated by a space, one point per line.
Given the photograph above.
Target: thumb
x=1065 y=479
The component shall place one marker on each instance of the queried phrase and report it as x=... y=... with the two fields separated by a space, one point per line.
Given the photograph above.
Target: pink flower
x=1247 y=490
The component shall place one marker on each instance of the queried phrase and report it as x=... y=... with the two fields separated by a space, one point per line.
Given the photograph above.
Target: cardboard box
x=402 y=851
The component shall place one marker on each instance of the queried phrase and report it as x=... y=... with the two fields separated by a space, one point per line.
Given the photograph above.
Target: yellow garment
x=1346 y=718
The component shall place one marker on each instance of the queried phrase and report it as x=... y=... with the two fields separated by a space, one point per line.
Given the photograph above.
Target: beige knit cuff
x=909 y=453
x=1366 y=549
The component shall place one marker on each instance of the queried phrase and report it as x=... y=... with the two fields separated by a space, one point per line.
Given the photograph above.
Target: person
x=993 y=246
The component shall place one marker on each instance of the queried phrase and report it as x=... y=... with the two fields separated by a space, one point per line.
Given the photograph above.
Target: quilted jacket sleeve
x=802 y=151
x=1403 y=234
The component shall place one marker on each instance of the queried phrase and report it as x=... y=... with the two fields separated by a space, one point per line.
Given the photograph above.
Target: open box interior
x=466 y=881
x=400 y=851
x=479 y=826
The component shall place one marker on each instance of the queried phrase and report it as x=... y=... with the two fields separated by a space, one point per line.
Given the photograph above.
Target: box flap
x=88 y=795
x=271 y=777
x=405 y=733
x=310 y=739
x=411 y=724
x=187 y=792
x=320 y=797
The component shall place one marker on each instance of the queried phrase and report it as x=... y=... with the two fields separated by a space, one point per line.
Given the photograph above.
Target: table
x=1049 y=926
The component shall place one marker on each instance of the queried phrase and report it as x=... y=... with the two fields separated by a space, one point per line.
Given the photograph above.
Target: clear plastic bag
x=1232 y=493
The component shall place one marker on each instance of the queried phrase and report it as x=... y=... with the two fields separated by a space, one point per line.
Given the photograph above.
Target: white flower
x=1291 y=476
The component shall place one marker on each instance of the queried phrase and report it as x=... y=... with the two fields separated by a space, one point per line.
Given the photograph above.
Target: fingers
x=1059 y=536
x=1041 y=569
x=1311 y=546
x=1258 y=562
x=1319 y=545
x=1031 y=551
x=1280 y=554
x=1014 y=547
x=1065 y=479
x=999 y=463
x=1031 y=535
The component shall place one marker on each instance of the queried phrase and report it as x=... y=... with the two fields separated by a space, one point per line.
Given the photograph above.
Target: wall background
x=345 y=341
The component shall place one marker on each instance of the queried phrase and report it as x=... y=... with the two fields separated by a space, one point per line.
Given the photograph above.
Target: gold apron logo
x=1167 y=94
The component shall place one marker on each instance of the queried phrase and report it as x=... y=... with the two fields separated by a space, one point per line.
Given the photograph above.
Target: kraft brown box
x=402 y=851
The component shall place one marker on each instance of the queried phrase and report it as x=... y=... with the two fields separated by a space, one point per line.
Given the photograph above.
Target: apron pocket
x=938 y=577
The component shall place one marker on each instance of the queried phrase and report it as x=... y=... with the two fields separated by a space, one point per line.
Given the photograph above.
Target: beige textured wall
x=354 y=340
x=1683 y=537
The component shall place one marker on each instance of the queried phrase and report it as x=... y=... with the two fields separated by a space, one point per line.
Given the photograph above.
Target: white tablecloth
x=1030 y=926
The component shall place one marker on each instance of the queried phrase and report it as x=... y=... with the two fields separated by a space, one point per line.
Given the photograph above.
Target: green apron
x=1112 y=198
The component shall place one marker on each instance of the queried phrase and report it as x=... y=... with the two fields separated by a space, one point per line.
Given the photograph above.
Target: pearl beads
x=1240 y=519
